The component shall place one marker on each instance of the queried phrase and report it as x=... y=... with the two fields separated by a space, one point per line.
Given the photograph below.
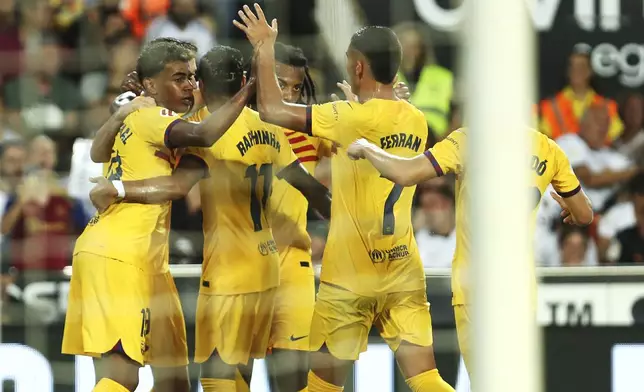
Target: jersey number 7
x=388 y=218
x=266 y=171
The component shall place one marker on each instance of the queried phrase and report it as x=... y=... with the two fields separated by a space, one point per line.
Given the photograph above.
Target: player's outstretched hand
x=357 y=148
x=345 y=87
x=565 y=212
x=256 y=28
x=103 y=194
x=131 y=83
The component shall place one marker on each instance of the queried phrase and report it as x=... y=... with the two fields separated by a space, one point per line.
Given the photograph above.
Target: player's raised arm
x=104 y=139
x=213 y=127
x=317 y=194
x=154 y=190
x=270 y=105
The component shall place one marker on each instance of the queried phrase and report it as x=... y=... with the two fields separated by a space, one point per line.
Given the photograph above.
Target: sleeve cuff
x=434 y=162
x=166 y=136
x=197 y=160
x=570 y=193
x=309 y=121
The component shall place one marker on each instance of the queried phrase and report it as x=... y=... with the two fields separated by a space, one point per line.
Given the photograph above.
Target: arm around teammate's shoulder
x=402 y=171
x=103 y=142
x=213 y=127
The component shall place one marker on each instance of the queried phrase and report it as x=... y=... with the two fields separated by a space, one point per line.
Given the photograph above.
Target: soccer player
x=121 y=260
x=371 y=272
x=241 y=261
x=547 y=165
x=295 y=296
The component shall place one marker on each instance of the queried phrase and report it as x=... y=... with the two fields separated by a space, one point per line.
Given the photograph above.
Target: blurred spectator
x=599 y=168
x=631 y=240
x=12 y=166
x=617 y=218
x=181 y=22
x=436 y=238
x=548 y=229
x=631 y=143
x=562 y=114
x=10 y=43
x=141 y=12
x=40 y=221
x=82 y=169
x=573 y=245
x=41 y=100
x=430 y=84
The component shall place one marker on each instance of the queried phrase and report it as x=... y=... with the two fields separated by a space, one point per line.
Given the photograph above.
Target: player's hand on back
x=131 y=83
x=345 y=87
x=256 y=28
x=356 y=149
x=103 y=194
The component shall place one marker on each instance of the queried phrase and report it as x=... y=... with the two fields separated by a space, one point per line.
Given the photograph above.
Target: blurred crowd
x=63 y=62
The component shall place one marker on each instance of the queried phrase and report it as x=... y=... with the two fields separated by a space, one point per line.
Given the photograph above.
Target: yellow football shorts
x=294 y=301
x=342 y=320
x=167 y=340
x=464 y=333
x=237 y=327
x=109 y=302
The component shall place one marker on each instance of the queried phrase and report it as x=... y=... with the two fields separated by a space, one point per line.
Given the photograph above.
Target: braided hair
x=293 y=56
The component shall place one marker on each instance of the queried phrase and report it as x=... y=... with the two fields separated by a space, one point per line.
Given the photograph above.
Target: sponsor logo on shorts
x=396 y=253
x=267 y=247
x=296 y=338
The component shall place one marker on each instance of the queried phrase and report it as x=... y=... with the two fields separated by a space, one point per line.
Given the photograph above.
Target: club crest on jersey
x=167 y=113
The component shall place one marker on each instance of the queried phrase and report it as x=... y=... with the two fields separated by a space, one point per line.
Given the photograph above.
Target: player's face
x=291 y=80
x=173 y=87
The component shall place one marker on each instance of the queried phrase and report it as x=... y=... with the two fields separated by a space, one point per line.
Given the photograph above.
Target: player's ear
x=359 y=69
x=149 y=86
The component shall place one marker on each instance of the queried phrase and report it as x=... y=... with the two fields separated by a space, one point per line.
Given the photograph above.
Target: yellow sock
x=429 y=381
x=108 y=385
x=240 y=382
x=316 y=384
x=218 y=385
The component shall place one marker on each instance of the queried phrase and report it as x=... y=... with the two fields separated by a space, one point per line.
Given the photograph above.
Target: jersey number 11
x=266 y=171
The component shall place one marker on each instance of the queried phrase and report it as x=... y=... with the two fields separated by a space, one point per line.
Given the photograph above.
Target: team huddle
x=193 y=126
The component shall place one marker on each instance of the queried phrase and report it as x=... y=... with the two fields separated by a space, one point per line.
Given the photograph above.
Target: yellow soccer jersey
x=371 y=247
x=548 y=165
x=288 y=206
x=240 y=255
x=135 y=233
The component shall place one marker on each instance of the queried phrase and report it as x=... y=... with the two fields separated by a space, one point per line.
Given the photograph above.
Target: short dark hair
x=158 y=53
x=380 y=46
x=294 y=56
x=221 y=70
x=636 y=185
